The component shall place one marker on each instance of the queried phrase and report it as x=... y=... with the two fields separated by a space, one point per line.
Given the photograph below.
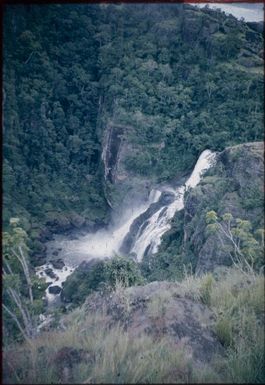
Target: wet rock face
x=111 y=151
x=45 y=235
x=159 y=310
x=235 y=186
x=59 y=224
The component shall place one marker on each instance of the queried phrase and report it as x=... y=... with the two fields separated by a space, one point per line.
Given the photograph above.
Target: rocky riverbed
x=55 y=274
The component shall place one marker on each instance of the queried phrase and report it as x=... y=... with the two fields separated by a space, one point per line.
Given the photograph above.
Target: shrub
x=100 y=274
x=122 y=270
x=83 y=282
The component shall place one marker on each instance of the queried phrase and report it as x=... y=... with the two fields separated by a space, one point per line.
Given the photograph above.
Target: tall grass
x=113 y=357
x=238 y=303
x=108 y=354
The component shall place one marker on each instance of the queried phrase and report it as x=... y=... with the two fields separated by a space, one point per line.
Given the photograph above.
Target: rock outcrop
x=55 y=289
x=125 y=185
x=159 y=309
x=234 y=185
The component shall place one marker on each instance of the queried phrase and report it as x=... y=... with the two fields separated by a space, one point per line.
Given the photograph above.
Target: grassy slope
x=105 y=354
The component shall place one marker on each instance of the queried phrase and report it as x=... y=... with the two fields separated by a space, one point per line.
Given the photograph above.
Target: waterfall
x=155 y=226
x=137 y=232
x=140 y=227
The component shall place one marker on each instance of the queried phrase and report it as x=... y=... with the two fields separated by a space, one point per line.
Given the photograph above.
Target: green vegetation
x=100 y=275
x=206 y=288
x=238 y=240
x=51 y=149
x=237 y=300
x=22 y=290
x=122 y=270
x=170 y=80
x=71 y=70
x=111 y=356
x=240 y=318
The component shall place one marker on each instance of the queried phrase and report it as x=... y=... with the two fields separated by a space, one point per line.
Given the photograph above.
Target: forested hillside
x=172 y=78
x=51 y=79
x=133 y=173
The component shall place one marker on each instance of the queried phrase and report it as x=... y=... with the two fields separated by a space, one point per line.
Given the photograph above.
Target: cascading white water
x=60 y=276
x=144 y=224
x=159 y=224
x=102 y=244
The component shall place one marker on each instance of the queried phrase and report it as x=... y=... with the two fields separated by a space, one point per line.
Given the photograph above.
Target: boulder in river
x=50 y=273
x=55 y=289
x=58 y=263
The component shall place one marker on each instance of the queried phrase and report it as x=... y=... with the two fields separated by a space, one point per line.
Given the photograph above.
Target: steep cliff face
x=112 y=148
x=121 y=183
x=234 y=185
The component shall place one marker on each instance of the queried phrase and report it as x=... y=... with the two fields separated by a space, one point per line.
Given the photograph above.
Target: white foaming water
x=205 y=161
x=159 y=224
x=104 y=243
x=60 y=277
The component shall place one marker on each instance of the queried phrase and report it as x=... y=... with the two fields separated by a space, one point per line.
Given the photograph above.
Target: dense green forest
x=181 y=80
x=101 y=98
